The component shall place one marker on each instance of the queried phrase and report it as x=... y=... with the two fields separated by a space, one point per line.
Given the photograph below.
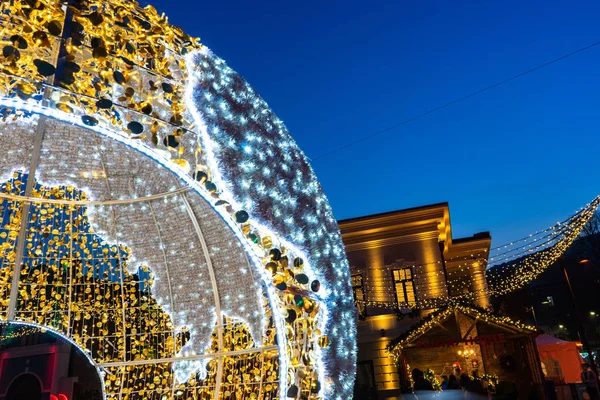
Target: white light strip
x=217 y=177
x=39 y=200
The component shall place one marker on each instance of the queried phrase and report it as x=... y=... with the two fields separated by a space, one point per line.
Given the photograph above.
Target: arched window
x=26 y=386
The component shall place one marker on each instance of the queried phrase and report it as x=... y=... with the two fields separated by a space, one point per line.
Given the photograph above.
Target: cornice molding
x=391 y=231
x=390 y=241
x=404 y=217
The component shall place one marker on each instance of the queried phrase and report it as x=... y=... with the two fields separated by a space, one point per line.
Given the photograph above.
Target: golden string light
x=18 y=332
x=524 y=268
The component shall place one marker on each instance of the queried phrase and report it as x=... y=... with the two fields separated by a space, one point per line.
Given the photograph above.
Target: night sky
x=510 y=161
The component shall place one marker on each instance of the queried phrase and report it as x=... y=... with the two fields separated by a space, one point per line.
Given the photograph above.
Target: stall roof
x=544 y=340
x=446 y=312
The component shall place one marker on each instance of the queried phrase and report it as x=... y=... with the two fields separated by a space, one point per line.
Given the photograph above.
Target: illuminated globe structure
x=156 y=213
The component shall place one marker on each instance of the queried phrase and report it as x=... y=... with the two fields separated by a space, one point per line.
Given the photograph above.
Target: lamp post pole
x=534 y=317
x=580 y=327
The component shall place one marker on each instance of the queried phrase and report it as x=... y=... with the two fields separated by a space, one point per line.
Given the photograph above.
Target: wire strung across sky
x=540 y=240
x=450 y=103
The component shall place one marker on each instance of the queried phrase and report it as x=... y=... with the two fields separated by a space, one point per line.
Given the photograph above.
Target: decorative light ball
x=157 y=213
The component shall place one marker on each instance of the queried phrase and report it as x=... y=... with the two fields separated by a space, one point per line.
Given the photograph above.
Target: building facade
x=405 y=265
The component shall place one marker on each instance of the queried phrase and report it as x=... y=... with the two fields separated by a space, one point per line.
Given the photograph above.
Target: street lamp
x=581 y=329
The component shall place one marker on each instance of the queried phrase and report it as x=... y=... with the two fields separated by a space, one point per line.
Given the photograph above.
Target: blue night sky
x=510 y=161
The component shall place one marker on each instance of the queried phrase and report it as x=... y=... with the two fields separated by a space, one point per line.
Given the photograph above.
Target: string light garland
x=18 y=333
x=125 y=74
x=491 y=379
x=395 y=347
x=430 y=376
x=409 y=374
x=383 y=285
x=521 y=268
x=127 y=278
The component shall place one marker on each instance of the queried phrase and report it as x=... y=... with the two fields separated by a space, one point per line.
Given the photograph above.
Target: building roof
x=393 y=213
x=410 y=224
x=413 y=224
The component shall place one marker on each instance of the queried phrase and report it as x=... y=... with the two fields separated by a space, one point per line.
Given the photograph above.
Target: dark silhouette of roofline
x=477 y=236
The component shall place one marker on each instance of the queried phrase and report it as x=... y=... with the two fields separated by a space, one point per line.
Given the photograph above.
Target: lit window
x=405 y=288
x=359 y=294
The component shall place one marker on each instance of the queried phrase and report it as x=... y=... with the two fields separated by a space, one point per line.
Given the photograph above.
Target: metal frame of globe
x=181 y=193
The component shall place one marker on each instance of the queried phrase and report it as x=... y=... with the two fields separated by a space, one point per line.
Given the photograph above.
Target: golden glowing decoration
x=116 y=65
x=518 y=271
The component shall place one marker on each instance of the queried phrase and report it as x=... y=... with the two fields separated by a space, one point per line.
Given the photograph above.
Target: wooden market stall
x=461 y=339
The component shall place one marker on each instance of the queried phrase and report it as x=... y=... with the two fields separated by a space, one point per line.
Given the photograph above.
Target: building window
x=358 y=290
x=405 y=288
